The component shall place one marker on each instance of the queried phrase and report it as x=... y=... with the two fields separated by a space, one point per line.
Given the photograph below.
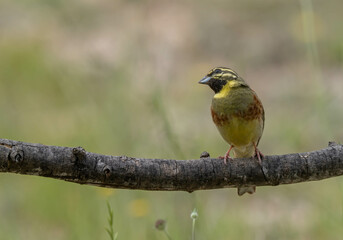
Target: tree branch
x=77 y=165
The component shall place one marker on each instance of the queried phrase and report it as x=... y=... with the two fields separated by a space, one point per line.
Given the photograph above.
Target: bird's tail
x=242 y=190
x=244 y=153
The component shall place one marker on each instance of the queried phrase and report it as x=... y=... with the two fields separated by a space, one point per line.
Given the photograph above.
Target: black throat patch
x=217 y=85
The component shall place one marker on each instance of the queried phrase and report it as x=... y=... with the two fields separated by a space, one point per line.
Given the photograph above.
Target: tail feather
x=244 y=153
x=242 y=190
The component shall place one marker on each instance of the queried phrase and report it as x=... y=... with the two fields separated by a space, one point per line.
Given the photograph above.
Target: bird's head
x=219 y=77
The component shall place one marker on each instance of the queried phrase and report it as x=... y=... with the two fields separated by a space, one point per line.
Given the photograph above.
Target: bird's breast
x=238 y=117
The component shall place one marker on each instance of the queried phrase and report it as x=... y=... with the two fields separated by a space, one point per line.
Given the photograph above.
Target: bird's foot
x=259 y=155
x=227 y=156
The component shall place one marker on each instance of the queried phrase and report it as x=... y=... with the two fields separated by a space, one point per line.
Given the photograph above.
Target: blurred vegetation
x=120 y=78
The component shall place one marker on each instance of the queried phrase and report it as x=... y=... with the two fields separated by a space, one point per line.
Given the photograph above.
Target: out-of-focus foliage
x=120 y=78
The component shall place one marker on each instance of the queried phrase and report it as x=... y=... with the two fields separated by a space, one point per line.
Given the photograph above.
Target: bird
x=238 y=114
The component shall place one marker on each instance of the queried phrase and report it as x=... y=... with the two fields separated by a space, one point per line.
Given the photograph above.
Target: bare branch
x=77 y=165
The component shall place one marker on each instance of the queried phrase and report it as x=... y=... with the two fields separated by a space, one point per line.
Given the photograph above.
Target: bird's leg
x=258 y=154
x=227 y=155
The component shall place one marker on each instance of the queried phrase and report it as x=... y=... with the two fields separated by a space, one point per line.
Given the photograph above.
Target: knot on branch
x=107 y=171
x=16 y=155
x=79 y=154
x=79 y=160
x=204 y=154
x=103 y=169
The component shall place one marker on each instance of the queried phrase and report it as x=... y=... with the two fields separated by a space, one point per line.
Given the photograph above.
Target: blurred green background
x=120 y=78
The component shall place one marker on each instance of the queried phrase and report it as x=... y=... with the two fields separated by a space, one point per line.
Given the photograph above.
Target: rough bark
x=77 y=165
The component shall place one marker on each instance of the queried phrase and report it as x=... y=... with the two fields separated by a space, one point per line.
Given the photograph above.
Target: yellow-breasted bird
x=238 y=114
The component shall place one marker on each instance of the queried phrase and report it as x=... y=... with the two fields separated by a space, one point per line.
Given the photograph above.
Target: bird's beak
x=205 y=80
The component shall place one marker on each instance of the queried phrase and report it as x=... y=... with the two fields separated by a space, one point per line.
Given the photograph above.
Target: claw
x=225 y=159
x=227 y=156
x=258 y=154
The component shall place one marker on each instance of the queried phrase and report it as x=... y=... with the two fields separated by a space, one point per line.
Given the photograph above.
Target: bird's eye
x=217 y=71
